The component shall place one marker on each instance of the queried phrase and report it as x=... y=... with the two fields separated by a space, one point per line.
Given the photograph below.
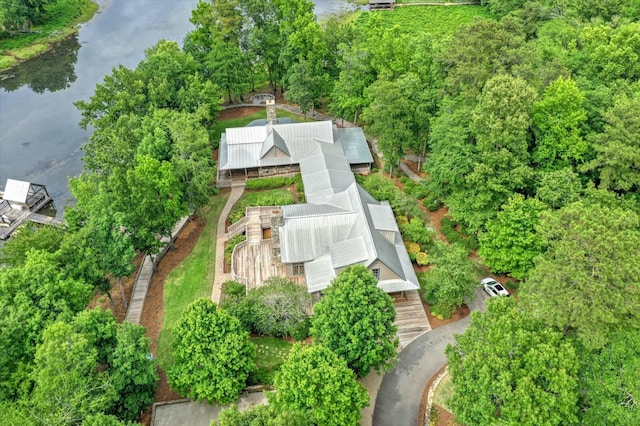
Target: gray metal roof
x=382 y=217
x=263 y=121
x=354 y=145
x=243 y=147
x=307 y=209
x=274 y=141
x=348 y=252
x=308 y=237
x=319 y=273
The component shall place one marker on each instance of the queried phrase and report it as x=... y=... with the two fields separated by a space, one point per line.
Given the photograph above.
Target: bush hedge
x=231 y=244
x=448 y=229
x=269 y=183
x=273 y=197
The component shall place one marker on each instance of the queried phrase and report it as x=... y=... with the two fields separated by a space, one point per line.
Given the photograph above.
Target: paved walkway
x=198 y=413
x=400 y=394
x=221 y=237
x=141 y=286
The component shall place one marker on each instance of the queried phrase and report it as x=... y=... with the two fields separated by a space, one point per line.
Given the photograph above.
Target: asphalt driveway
x=400 y=393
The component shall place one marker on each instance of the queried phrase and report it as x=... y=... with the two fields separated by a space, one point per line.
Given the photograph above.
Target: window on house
x=376 y=273
x=298 y=269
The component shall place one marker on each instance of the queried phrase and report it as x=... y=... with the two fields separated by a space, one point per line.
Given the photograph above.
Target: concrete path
x=221 y=237
x=193 y=413
x=398 y=400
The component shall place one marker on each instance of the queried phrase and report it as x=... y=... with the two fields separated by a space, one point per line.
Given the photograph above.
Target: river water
x=40 y=138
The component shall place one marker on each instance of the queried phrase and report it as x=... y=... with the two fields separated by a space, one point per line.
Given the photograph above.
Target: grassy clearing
x=272 y=197
x=270 y=354
x=438 y=21
x=444 y=391
x=221 y=125
x=191 y=280
x=62 y=20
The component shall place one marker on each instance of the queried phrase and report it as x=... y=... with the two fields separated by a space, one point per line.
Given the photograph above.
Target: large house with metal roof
x=340 y=224
x=275 y=147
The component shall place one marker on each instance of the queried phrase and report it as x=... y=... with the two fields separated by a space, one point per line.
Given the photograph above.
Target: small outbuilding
x=382 y=4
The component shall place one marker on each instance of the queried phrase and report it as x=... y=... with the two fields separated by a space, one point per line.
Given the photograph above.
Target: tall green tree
x=451 y=280
x=559 y=187
x=501 y=124
x=316 y=381
x=99 y=327
x=132 y=372
x=68 y=387
x=355 y=320
x=610 y=381
x=558 y=117
x=508 y=368
x=511 y=242
x=587 y=281
x=212 y=355
x=617 y=159
x=32 y=296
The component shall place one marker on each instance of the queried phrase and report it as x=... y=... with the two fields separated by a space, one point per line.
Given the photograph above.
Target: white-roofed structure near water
x=340 y=224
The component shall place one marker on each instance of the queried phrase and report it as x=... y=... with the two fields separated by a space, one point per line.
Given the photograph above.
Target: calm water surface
x=40 y=138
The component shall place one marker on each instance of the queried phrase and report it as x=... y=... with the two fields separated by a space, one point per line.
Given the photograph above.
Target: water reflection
x=51 y=71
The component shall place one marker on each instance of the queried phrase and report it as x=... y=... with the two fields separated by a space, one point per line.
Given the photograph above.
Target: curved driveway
x=400 y=394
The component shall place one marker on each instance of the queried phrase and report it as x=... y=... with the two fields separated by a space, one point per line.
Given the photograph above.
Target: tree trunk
x=124 y=297
x=229 y=93
x=355 y=119
x=113 y=304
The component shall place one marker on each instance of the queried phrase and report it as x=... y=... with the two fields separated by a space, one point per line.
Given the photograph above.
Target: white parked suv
x=493 y=288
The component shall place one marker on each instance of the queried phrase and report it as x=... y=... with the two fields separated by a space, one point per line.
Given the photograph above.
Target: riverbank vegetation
x=28 y=29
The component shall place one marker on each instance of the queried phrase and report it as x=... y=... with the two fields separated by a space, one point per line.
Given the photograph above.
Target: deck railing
x=236 y=277
x=237 y=228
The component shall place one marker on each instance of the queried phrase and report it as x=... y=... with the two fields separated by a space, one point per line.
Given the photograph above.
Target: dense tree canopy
x=450 y=282
x=587 y=280
x=211 y=354
x=316 y=381
x=355 y=319
x=508 y=368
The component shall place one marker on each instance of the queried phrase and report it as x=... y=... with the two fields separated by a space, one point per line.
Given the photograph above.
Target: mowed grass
x=190 y=280
x=221 y=125
x=437 y=21
x=444 y=391
x=271 y=352
x=269 y=356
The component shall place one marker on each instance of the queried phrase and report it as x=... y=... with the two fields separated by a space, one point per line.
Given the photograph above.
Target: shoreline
x=46 y=43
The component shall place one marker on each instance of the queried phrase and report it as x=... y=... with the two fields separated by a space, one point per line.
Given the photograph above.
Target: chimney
x=271 y=112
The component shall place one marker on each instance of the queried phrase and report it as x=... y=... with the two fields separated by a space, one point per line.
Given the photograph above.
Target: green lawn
x=444 y=391
x=270 y=354
x=438 y=21
x=62 y=19
x=220 y=126
x=271 y=197
x=191 y=280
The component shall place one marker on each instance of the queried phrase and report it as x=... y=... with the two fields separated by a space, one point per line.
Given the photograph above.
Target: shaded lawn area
x=437 y=21
x=270 y=354
x=191 y=280
x=220 y=126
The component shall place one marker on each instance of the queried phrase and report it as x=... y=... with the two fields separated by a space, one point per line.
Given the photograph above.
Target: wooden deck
x=253 y=262
x=411 y=319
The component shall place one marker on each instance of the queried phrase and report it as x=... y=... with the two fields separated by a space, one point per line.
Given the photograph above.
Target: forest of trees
x=530 y=127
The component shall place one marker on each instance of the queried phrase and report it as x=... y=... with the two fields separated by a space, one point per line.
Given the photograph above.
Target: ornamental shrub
x=413 y=249
x=422 y=258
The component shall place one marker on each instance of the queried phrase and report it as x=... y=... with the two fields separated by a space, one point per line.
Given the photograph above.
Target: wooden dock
x=12 y=219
